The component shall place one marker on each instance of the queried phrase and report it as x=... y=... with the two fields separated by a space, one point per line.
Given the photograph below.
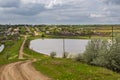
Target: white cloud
x=97 y=15
x=53 y=3
x=60 y=11
x=46 y=3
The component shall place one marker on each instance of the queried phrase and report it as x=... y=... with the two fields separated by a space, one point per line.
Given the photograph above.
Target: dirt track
x=22 y=70
x=21 y=53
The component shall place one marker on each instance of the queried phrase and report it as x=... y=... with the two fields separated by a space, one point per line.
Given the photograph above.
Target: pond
x=1 y=48
x=46 y=46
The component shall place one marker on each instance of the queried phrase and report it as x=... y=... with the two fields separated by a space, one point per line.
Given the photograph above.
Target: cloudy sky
x=60 y=11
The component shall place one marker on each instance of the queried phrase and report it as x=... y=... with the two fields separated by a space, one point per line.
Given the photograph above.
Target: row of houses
x=12 y=31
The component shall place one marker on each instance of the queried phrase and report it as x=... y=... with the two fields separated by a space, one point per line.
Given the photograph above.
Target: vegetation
x=10 y=53
x=69 y=69
x=52 y=54
x=98 y=52
x=61 y=31
x=79 y=58
x=32 y=54
x=86 y=31
x=65 y=54
x=22 y=30
x=103 y=53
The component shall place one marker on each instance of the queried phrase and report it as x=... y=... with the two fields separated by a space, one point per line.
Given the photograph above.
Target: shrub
x=43 y=35
x=79 y=58
x=65 y=54
x=103 y=53
x=52 y=54
x=93 y=50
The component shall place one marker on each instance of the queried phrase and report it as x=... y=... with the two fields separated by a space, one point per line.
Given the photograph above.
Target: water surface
x=1 y=48
x=46 y=46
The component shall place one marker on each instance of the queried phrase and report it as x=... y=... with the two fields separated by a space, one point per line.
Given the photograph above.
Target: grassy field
x=68 y=37
x=10 y=53
x=69 y=69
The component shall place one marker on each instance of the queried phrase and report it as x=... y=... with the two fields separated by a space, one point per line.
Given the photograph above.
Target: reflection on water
x=46 y=46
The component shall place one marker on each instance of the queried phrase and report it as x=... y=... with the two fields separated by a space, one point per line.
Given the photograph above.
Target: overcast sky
x=60 y=11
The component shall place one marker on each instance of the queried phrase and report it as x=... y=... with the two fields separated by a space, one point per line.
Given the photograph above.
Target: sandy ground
x=22 y=70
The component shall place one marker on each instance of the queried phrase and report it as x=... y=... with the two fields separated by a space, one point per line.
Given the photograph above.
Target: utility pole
x=112 y=34
x=63 y=47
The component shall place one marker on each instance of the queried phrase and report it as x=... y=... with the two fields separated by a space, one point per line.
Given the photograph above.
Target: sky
x=59 y=11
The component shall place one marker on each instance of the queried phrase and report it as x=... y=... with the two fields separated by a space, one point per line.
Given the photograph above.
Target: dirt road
x=21 y=53
x=22 y=70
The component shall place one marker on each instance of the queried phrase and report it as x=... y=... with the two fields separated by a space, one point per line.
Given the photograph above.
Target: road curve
x=22 y=70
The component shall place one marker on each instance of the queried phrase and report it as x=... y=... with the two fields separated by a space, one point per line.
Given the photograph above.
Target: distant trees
x=42 y=35
x=22 y=30
x=77 y=30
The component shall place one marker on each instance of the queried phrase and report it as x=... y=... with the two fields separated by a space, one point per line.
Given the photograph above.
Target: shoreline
x=2 y=47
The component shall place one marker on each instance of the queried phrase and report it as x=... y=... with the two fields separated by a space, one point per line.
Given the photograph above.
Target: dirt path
x=22 y=70
x=21 y=53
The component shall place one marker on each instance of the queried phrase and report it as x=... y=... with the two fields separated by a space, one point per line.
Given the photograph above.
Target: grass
x=34 y=54
x=67 y=37
x=11 y=51
x=69 y=69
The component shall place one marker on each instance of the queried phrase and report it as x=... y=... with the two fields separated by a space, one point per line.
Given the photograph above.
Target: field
x=10 y=53
x=66 y=69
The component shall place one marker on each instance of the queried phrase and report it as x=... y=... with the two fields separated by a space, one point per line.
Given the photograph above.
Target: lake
x=1 y=48
x=46 y=46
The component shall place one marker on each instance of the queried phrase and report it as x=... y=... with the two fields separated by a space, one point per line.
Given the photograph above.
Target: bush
x=79 y=58
x=52 y=54
x=103 y=53
x=93 y=50
x=43 y=35
x=65 y=54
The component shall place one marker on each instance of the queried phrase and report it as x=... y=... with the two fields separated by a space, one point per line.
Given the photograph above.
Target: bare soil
x=22 y=70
